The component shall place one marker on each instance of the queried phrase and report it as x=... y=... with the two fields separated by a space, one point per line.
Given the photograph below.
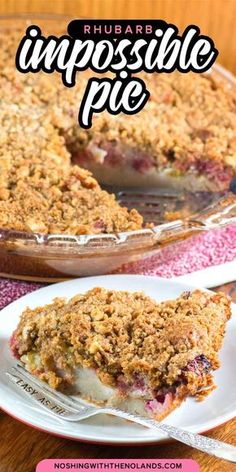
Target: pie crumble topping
x=159 y=353
x=187 y=128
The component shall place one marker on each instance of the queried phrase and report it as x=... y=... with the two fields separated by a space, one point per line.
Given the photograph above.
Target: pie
x=184 y=137
x=125 y=349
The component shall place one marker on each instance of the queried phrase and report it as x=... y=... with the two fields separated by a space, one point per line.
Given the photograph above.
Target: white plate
x=216 y=409
x=211 y=276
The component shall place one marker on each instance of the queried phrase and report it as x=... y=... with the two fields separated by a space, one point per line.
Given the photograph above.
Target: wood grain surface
x=22 y=447
x=216 y=18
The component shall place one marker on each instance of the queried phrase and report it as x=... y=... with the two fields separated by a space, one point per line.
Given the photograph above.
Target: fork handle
x=202 y=443
x=219 y=214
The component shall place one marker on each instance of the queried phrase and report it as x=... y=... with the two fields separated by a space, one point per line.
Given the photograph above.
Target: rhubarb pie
x=124 y=349
x=184 y=137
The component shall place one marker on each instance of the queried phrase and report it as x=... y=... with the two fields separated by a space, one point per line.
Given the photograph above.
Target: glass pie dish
x=52 y=257
x=39 y=257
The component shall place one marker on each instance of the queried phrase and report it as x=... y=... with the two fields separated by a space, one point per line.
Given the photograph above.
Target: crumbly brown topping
x=122 y=333
x=192 y=125
x=68 y=201
x=189 y=120
x=39 y=189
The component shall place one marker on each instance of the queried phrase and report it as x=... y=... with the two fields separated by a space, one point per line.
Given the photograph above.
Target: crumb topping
x=69 y=201
x=40 y=191
x=192 y=126
x=122 y=335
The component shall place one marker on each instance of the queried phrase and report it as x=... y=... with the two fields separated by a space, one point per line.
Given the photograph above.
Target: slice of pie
x=124 y=349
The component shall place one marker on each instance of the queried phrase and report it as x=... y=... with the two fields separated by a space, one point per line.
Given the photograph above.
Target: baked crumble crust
x=193 y=127
x=39 y=189
x=122 y=335
x=189 y=120
x=68 y=202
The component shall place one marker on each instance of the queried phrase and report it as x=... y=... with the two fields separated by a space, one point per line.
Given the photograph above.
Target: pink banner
x=108 y=465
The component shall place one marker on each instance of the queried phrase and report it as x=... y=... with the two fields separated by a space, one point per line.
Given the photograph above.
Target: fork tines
x=19 y=372
x=151 y=203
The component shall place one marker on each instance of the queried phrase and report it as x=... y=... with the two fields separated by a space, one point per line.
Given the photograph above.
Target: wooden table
x=24 y=446
x=216 y=18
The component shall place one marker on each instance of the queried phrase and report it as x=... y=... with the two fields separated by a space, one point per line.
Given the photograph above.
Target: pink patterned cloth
x=12 y=289
x=208 y=249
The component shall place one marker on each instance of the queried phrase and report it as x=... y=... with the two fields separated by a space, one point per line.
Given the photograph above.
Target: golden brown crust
x=188 y=125
x=192 y=125
x=69 y=202
x=39 y=189
x=188 y=121
x=125 y=334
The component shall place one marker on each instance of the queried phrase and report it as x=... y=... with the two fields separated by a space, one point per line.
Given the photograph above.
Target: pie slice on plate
x=124 y=349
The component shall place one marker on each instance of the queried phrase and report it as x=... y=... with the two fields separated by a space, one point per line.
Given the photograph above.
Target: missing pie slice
x=124 y=349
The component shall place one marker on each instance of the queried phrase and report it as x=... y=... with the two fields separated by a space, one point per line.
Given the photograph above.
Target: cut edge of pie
x=124 y=349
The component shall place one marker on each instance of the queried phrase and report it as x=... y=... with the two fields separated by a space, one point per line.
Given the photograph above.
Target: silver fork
x=68 y=408
x=154 y=204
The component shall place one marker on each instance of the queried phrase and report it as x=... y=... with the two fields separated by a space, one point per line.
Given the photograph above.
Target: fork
x=68 y=408
x=188 y=216
x=155 y=204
